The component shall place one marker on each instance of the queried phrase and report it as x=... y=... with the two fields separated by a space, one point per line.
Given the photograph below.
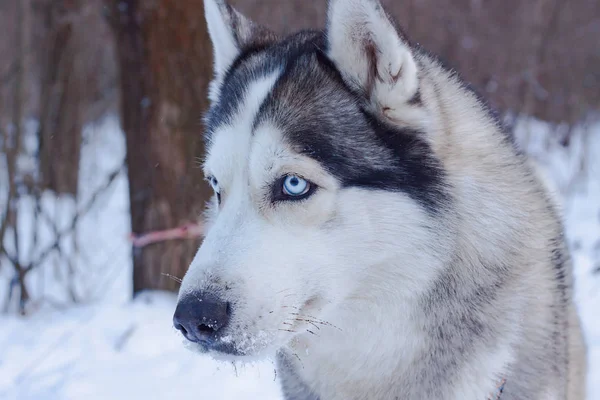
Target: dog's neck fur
x=383 y=357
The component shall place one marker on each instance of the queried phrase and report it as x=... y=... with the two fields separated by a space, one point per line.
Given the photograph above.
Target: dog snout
x=201 y=316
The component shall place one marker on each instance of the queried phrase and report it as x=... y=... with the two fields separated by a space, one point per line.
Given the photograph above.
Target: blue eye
x=295 y=186
x=215 y=185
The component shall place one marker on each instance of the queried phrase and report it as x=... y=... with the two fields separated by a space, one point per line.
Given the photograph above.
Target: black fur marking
x=292 y=386
x=254 y=62
x=414 y=169
x=457 y=311
x=560 y=258
x=324 y=119
x=416 y=99
x=235 y=84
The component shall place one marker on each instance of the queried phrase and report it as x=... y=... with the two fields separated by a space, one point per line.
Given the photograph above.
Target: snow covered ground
x=126 y=351
x=108 y=347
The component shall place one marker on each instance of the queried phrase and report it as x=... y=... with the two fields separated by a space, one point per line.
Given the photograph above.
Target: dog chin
x=245 y=358
x=228 y=352
x=195 y=347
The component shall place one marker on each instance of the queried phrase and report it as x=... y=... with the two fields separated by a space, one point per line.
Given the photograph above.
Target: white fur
x=230 y=143
x=227 y=157
x=483 y=375
x=320 y=255
x=225 y=47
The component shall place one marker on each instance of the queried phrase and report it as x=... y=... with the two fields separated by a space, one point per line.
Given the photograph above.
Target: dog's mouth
x=233 y=344
x=221 y=345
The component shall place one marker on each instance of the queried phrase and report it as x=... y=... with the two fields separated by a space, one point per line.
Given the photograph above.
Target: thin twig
x=80 y=213
x=176 y=279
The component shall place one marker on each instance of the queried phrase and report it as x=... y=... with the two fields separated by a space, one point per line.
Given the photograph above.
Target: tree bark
x=61 y=117
x=165 y=61
x=14 y=142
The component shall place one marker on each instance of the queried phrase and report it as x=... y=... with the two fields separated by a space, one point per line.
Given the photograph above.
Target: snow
x=108 y=347
x=126 y=351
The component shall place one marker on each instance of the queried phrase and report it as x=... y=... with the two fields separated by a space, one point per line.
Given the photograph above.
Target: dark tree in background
x=165 y=64
x=56 y=69
x=67 y=79
x=76 y=74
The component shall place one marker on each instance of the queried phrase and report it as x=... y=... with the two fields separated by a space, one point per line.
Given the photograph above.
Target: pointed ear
x=230 y=33
x=371 y=53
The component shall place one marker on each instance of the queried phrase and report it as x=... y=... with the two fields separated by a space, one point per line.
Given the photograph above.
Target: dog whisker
x=303 y=320
x=310 y=322
x=284 y=290
x=315 y=320
x=176 y=279
x=287 y=330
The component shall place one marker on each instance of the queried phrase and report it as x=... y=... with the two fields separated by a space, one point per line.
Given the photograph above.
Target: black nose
x=199 y=316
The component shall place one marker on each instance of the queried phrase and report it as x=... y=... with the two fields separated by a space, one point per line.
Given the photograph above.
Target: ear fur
x=231 y=33
x=371 y=53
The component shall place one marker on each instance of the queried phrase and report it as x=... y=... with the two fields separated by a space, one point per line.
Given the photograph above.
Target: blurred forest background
x=68 y=65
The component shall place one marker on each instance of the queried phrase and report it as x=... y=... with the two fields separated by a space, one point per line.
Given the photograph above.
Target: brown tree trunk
x=165 y=58
x=73 y=74
x=61 y=116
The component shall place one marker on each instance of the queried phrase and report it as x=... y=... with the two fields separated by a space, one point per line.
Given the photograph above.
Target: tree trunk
x=73 y=76
x=60 y=101
x=164 y=57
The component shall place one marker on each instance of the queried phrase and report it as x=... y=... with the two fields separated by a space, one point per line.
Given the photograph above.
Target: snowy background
x=109 y=347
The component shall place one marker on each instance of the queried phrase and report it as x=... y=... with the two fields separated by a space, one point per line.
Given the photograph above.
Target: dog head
x=322 y=179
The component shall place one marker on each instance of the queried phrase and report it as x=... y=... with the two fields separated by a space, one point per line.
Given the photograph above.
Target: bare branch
x=4 y=224
x=19 y=104
x=80 y=213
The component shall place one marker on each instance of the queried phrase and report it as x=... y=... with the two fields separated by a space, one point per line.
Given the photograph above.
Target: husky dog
x=373 y=225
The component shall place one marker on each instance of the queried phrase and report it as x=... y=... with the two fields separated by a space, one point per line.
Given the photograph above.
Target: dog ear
x=231 y=33
x=371 y=53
